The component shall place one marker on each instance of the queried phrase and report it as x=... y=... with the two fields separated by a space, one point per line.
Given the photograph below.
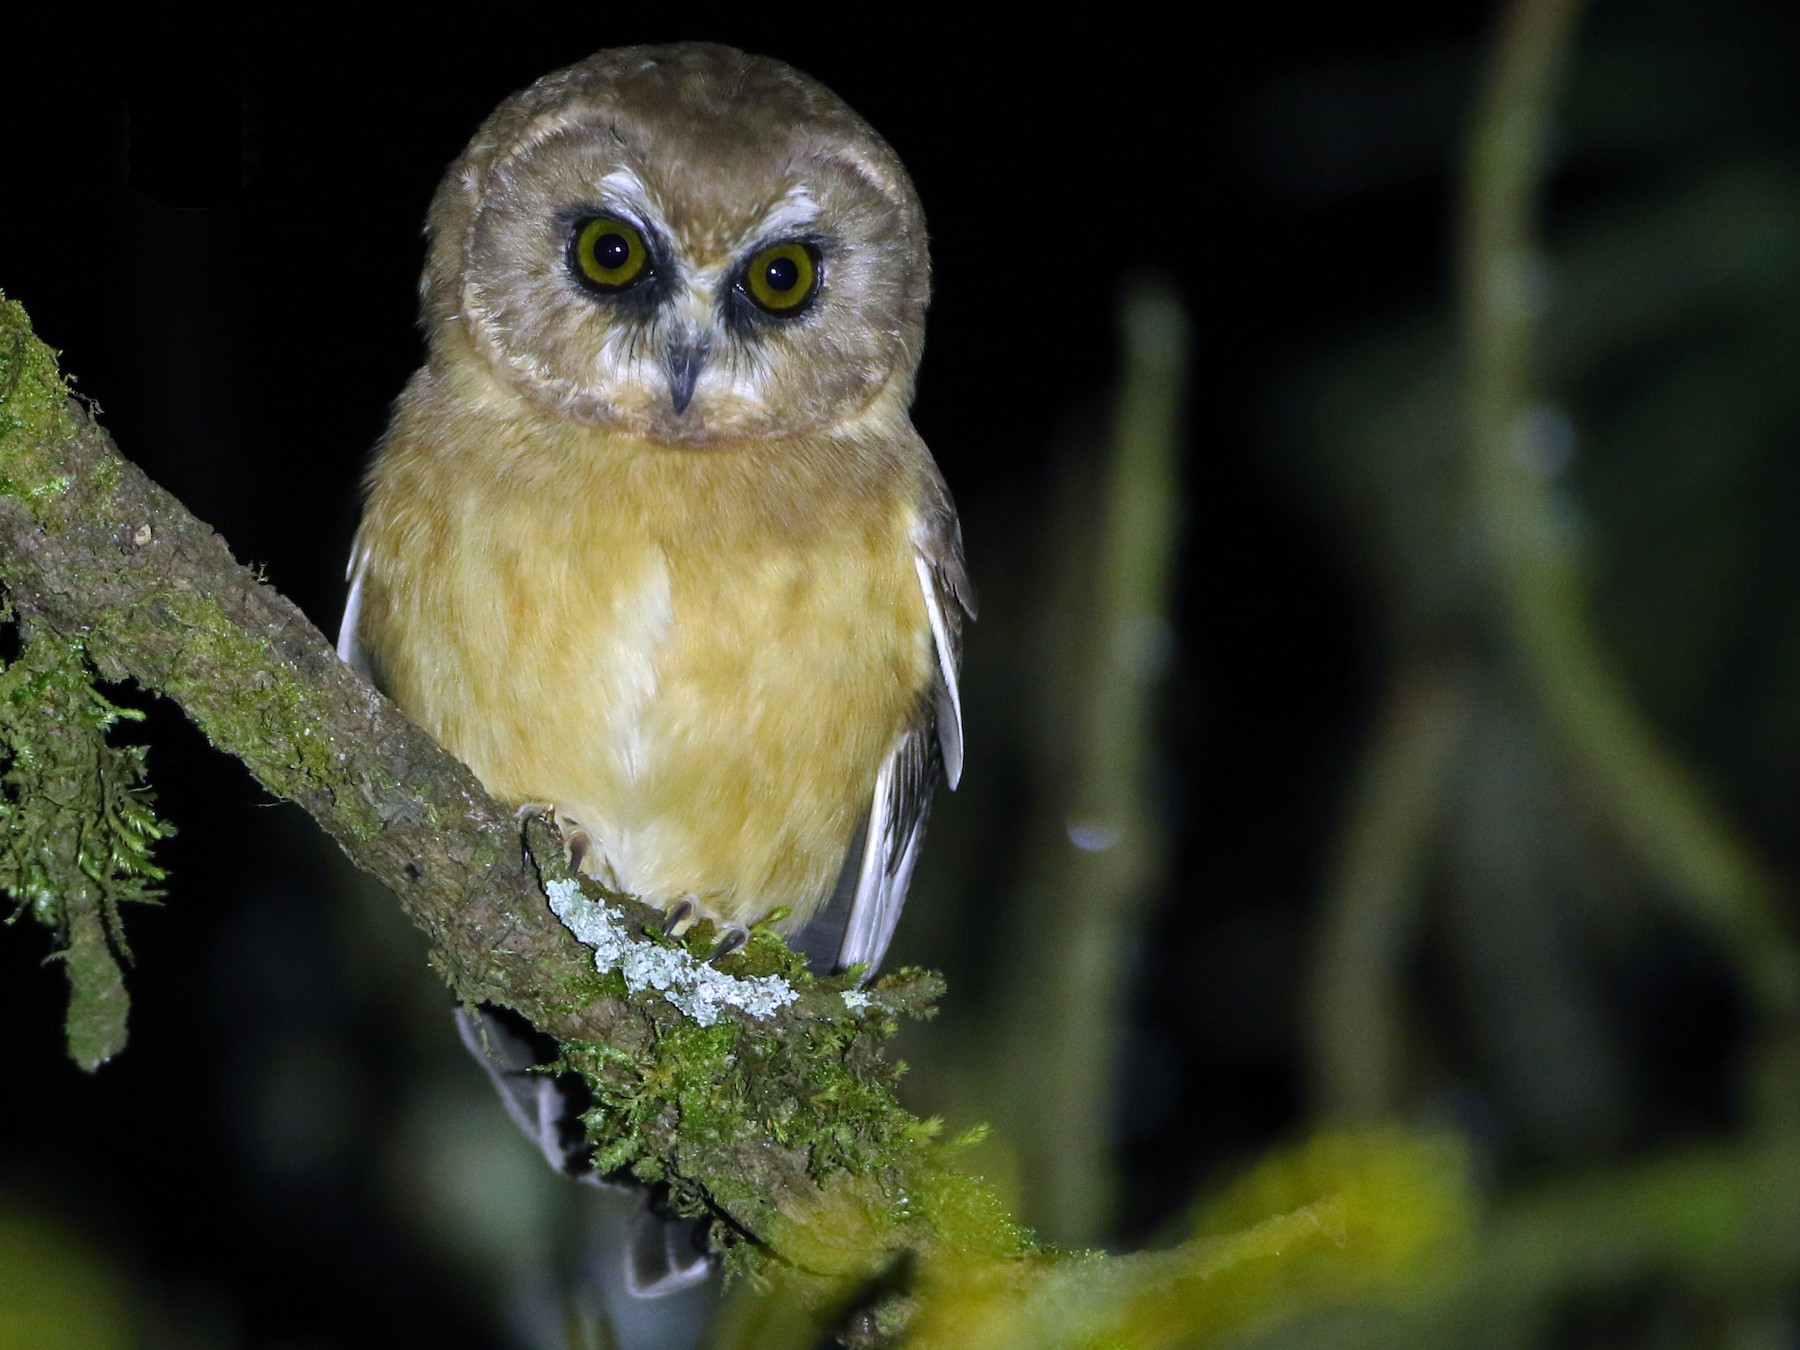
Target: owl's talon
x=732 y=937
x=523 y=815
x=680 y=916
x=579 y=844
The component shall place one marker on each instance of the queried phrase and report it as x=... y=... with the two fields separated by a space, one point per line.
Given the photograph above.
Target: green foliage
x=76 y=830
x=820 y=1086
x=58 y=1292
x=33 y=410
x=1374 y=1220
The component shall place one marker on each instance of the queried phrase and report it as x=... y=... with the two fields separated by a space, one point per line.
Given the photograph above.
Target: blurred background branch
x=1374 y=894
x=1512 y=765
x=1100 y=843
x=1654 y=803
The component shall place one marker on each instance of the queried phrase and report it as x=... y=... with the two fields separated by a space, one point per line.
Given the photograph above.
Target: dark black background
x=219 y=227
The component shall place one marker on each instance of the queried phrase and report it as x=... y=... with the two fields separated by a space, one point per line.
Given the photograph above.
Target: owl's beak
x=686 y=357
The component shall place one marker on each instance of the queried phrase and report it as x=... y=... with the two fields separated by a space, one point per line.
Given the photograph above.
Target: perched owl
x=651 y=538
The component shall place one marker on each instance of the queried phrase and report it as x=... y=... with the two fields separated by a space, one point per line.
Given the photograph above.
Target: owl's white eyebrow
x=792 y=212
x=627 y=189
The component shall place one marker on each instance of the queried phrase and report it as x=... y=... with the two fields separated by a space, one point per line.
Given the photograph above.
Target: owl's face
x=685 y=243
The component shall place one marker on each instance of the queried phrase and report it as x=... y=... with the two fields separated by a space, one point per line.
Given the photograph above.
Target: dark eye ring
x=608 y=254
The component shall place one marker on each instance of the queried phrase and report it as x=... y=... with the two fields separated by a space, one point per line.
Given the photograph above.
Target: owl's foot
x=731 y=937
x=544 y=813
x=680 y=916
x=579 y=844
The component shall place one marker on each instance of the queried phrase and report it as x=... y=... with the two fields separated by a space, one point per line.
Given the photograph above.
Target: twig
x=1371 y=910
x=1065 y=995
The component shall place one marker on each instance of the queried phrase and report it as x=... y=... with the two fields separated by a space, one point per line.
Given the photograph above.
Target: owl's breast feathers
x=704 y=656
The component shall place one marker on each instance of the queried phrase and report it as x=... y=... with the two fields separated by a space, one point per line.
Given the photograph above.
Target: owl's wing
x=349 y=645
x=664 y=1254
x=890 y=843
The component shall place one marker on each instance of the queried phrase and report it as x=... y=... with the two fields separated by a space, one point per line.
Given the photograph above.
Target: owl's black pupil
x=782 y=275
x=612 y=251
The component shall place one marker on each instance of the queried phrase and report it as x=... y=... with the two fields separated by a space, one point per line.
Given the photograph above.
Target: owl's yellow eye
x=608 y=253
x=783 y=277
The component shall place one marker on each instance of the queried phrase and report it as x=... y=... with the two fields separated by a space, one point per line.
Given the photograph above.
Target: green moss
x=571 y=991
x=767 y=954
x=680 y=1109
x=681 y=1106
x=966 y=1213
x=271 y=723
x=76 y=830
x=34 y=412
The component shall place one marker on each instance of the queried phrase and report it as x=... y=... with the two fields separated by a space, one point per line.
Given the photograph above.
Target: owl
x=650 y=538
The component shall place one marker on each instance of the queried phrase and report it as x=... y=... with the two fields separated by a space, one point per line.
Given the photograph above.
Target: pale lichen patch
x=699 y=990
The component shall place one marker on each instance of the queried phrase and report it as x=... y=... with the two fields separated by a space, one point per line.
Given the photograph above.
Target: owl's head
x=685 y=243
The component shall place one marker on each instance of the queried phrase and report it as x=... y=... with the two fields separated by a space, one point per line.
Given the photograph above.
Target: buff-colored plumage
x=676 y=566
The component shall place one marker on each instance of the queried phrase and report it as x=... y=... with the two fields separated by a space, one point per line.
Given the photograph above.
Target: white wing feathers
x=949 y=697
x=349 y=646
x=903 y=789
